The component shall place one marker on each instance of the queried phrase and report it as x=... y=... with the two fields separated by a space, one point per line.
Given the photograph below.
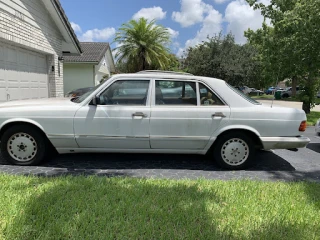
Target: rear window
x=249 y=99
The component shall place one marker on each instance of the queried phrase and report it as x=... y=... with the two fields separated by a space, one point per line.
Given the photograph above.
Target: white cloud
x=76 y=27
x=211 y=25
x=220 y=1
x=150 y=13
x=97 y=35
x=173 y=33
x=192 y=12
x=240 y=16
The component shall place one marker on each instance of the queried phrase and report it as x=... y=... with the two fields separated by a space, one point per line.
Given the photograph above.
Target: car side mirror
x=96 y=100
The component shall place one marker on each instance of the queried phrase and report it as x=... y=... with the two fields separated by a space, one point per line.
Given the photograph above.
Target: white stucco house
x=95 y=63
x=34 y=36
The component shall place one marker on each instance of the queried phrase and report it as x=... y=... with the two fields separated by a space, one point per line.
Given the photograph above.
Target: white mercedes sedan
x=150 y=112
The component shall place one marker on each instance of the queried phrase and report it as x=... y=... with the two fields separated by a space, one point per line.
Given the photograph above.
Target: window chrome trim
x=217 y=95
x=196 y=81
x=127 y=79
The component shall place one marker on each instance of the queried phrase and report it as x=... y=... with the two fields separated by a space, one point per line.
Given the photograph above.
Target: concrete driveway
x=272 y=165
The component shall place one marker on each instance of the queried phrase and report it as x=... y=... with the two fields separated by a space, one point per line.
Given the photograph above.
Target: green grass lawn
x=312 y=118
x=126 y=208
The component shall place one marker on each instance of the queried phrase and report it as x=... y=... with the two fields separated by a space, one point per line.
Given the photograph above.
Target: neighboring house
x=90 y=68
x=34 y=35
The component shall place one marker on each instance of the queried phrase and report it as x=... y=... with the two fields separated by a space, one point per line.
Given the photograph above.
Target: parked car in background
x=150 y=112
x=270 y=90
x=318 y=95
x=288 y=92
x=256 y=92
x=318 y=127
x=246 y=90
x=78 y=92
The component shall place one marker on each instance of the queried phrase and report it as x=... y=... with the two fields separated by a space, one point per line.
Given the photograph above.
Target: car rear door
x=184 y=114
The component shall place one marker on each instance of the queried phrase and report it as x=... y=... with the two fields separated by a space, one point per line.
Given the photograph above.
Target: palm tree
x=142 y=44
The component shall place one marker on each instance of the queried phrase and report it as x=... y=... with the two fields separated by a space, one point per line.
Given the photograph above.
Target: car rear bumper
x=284 y=142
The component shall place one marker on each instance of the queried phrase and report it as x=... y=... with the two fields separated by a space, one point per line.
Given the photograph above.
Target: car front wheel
x=23 y=145
x=234 y=151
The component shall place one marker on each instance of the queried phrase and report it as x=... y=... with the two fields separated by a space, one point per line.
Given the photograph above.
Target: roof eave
x=93 y=63
x=63 y=23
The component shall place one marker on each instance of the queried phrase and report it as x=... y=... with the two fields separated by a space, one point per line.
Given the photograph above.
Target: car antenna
x=273 y=98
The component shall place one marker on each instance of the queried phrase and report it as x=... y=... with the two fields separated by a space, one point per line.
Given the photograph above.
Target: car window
x=175 y=93
x=207 y=97
x=126 y=92
x=244 y=95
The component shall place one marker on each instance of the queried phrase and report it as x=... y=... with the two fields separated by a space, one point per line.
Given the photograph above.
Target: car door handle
x=218 y=114
x=139 y=114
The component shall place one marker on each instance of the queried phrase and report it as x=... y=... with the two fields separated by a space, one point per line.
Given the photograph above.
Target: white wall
x=101 y=70
x=27 y=24
x=78 y=76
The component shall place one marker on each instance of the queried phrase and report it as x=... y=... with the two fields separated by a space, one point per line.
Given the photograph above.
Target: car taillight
x=303 y=126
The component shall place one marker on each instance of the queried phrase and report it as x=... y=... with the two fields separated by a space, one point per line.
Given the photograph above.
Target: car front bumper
x=284 y=142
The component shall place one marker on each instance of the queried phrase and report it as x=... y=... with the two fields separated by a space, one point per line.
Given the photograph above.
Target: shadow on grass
x=115 y=209
x=100 y=208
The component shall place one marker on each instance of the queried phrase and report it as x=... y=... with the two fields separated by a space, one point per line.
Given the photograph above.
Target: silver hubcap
x=22 y=147
x=235 y=151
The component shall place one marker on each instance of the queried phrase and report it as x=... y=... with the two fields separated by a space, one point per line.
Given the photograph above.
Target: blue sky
x=189 y=21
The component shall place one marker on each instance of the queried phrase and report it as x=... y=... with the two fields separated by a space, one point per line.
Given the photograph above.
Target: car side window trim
x=148 y=100
x=215 y=93
x=196 y=81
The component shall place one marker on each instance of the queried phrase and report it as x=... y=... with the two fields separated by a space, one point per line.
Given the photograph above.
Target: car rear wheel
x=286 y=95
x=23 y=145
x=234 y=151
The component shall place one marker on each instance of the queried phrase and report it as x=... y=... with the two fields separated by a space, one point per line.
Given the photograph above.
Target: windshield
x=84 y=96
x=243 y=95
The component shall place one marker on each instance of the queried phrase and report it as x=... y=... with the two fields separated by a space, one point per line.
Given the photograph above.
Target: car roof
x=173 y=76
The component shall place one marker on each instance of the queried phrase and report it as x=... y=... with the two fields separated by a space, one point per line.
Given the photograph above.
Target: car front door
x=120 y=119
x=184 y=115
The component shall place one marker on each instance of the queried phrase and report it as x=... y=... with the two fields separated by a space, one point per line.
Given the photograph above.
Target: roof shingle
x=92 y=52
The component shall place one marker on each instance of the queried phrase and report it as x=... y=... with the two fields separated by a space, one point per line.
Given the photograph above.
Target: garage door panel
x=2 y=54
x=11 y=55
x=23 y=58
x=23 y=73
x=3 y=91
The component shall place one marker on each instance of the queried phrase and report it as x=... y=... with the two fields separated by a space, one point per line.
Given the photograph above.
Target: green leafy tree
x=293 y=41
x=220 y=57
x=142 y=45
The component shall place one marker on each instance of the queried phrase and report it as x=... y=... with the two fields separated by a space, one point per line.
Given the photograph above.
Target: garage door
x=23 y=74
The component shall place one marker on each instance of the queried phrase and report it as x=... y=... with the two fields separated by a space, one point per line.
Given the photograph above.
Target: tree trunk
x=306 y=107
x=294 y=85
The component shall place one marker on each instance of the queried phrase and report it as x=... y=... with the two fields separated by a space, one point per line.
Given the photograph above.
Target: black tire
x=246 y=150
x=285 y=95
x=38 y=138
